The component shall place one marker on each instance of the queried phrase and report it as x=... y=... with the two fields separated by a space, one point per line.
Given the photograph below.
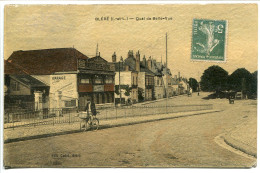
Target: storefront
x=95 y=81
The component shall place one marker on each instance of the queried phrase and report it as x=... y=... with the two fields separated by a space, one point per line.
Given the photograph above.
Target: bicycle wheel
x=95 y=124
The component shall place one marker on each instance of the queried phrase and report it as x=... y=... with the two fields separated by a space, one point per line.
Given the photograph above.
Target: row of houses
x=144 y=79
x=66 y=78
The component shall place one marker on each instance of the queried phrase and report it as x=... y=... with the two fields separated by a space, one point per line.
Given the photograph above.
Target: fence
x=58 y=116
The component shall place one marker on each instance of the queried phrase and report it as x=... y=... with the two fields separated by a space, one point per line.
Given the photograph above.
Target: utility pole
x=119 y=82
x=166 y=77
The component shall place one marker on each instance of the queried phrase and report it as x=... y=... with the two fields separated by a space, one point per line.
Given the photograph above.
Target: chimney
x=126 y=68
x=130 y=53
x=137 y=62
x=149 y=63
x=144 y=61
x=179 y=75
x=175 y=77
x=114 y=57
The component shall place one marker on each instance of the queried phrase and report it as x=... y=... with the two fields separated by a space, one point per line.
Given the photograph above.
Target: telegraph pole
x=166 y=77
x=119 y=82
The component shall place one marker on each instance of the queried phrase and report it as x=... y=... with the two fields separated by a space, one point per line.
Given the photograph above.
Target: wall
x=134 y=77
x=23 y=90
x=125 y=78
x=134 y=94
x=43 y=78
x=67 y=84
x=159 y=92
x=141 y=80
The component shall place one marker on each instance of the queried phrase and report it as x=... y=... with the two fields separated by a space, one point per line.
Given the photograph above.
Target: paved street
x=180 y=142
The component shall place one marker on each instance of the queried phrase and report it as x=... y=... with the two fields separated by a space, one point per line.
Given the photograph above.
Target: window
x=15 y=86
x=109 y=79
x=85 y=81
x=70 y=103
x=98 y=81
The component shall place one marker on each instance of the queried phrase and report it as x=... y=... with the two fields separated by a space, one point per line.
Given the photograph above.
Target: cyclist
x=91 y=111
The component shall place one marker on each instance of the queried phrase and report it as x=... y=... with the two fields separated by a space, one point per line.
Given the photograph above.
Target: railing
x=70 y=115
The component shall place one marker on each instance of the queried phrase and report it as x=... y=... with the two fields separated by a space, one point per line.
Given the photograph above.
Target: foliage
x=140 y=94
x=193 y=83
x=254 y=83
x=127 y=90
x=214 y=79
x=123 y=87
x=117 y=89
x=240 y=80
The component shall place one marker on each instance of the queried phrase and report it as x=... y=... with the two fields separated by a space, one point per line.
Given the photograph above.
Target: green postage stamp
x=209 y=40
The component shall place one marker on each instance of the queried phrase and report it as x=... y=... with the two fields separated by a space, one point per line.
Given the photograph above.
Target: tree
x=254 y=83
x=214 y=79
x=193 y=83
x=240 y=80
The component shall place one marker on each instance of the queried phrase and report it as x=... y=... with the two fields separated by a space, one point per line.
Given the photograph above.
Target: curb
x=102 y=127
x=220 y=140
x=240 y=146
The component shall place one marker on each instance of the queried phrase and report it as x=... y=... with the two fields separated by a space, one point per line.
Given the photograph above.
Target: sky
x=30 y=27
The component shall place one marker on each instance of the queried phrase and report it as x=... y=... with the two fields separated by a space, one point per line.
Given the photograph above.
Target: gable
x=97 y=59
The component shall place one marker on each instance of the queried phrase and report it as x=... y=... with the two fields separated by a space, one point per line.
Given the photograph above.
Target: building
x=72 y=77
x=23 y=93
x=167 y=79
x=126 y=78
x=175 y=85
x=156 y=68
x=21 y=90
x=146 y=80
x=96 y=81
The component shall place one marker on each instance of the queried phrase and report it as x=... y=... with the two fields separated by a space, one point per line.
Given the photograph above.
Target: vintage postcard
x=151 y=85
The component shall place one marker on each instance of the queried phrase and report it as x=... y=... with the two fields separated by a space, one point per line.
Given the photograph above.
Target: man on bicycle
x=90 y=107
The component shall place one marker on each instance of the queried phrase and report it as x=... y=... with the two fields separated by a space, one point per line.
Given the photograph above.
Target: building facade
x=72 y=77
x=127 y=73
x=95 y=81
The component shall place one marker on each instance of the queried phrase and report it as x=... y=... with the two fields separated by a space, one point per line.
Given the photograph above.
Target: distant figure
x=190 y=92
x=231 y=98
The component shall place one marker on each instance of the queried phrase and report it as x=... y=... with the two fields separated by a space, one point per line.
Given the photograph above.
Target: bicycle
x=90 y=123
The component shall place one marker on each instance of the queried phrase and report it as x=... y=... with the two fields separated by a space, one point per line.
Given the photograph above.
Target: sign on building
x=98 y=88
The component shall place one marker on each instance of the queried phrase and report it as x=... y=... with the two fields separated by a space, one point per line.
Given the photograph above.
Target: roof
x=175 y=82
x=45 y=61
x=97 y=59
x=28 y=80
x=146 y=70
x=130 y=61
x=10 y=68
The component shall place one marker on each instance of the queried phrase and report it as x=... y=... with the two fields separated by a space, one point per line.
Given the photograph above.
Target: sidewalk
x=158 y=100
x=28 y=133
x=244 y=137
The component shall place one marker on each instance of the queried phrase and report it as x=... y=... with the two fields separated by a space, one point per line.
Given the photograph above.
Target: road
x=181 y=142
